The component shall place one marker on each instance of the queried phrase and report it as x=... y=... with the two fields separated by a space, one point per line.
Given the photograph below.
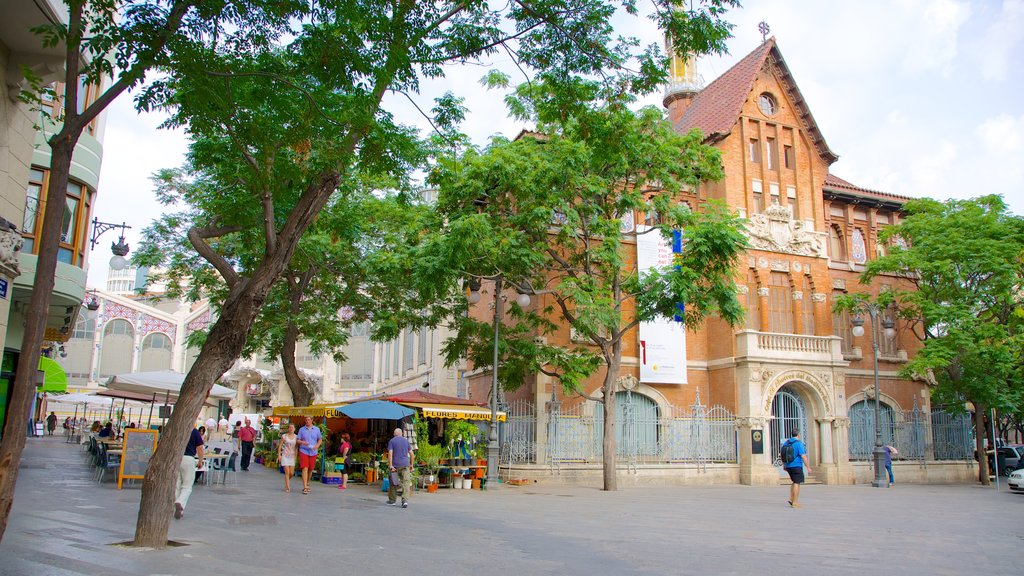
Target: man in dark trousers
x=246 y=438
x=795 y=467
x=51 y=422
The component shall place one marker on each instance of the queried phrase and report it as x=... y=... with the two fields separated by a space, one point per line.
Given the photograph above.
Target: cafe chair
x=107 y=461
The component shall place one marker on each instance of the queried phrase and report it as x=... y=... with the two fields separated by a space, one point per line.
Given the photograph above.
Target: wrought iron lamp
x=119 y=248
x=889 y=329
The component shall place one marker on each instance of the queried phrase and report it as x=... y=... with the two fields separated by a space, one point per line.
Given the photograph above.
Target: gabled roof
x=836 y=187
x=715 y=110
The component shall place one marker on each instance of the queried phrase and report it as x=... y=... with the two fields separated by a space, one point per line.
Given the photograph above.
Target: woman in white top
x=286 y=455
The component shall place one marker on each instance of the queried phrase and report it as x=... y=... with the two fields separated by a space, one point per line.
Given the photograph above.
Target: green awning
x=54 y=377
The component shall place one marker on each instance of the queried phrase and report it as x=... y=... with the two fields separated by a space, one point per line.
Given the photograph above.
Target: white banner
x=662 y=341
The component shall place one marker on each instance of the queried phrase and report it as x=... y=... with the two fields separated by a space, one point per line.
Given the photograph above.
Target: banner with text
x=662 y=341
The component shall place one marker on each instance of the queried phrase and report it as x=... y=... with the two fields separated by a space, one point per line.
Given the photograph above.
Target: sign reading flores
x=662 y=341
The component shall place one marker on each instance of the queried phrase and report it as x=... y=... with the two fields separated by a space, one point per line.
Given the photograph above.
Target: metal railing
x=916 y=434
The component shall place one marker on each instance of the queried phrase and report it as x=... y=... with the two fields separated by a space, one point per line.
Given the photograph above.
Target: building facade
x=795 y=364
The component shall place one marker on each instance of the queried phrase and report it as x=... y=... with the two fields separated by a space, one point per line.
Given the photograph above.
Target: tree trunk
x=23 y=388
x=609 y=445
x=223 y=345
x=980 y=433
x=301 y=394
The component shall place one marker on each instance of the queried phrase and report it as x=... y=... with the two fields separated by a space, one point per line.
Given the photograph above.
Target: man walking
x=187 y=472
x=309 y=440
x=246 y=439
x=400 y=464
x=51 y=422
x=795 y=466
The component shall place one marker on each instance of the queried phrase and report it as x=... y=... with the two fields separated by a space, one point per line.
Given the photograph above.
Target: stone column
x=541 y=397
x=825 y=441
x=762 y=308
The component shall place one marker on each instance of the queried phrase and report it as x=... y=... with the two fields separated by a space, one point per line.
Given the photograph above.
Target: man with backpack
x=794 y=459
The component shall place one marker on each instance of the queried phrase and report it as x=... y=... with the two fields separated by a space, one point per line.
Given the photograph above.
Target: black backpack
x=787 y=453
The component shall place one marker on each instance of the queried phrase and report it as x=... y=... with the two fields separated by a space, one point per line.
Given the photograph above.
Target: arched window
x=841 y=327
x=156 y=341
x=118 y=348
x=862 y=428
x=836 y=243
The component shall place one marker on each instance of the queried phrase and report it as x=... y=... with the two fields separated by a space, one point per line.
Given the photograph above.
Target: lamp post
x=492 y=435
x=888 y=325
x=119 y=248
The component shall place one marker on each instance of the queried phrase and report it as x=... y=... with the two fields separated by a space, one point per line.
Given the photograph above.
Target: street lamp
x=523 y=300
x=119 y=248
x=890 y=331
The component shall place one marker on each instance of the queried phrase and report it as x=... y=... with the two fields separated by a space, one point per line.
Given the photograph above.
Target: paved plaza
x=64 y=524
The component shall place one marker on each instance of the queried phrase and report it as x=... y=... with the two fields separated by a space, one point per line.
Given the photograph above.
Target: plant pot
x=471 y=462
x=479 y=473
x=476 y=484
x=467 y=483
x=431 y=487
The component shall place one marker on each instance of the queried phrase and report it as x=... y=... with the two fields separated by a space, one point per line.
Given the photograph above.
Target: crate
x=518 y=481
x=335 y=480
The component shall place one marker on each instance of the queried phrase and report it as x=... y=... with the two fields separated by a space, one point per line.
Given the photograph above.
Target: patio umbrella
x=375 y=409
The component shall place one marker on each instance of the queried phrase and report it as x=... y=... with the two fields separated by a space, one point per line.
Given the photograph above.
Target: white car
x=1016 y=481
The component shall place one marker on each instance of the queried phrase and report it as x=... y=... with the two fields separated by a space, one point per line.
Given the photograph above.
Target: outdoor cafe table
x=212 y=457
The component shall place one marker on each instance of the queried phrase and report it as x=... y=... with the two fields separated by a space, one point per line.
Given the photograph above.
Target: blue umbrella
x=378 y=409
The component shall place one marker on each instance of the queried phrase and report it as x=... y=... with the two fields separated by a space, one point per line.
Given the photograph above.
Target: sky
x=918 y=98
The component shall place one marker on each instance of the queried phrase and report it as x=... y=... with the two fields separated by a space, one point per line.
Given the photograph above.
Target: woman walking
x=346 y=455
x=286 y=456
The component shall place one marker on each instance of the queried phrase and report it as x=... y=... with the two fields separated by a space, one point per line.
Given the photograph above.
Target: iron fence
x=916 y=434
x=645 y=433
x=517 y=436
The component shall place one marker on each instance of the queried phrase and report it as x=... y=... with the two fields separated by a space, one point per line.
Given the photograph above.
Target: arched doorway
x=788 y=412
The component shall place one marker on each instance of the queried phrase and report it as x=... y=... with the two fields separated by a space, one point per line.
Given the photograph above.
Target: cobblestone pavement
x=63 y=523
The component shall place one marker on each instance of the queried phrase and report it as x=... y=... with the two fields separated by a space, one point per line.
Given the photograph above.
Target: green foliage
x=544 y=212
x=456 y=430
x=964 y=262
x=430 y=455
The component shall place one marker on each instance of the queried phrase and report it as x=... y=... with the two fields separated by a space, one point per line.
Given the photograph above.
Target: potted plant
x=460 y=436
x=430 y=455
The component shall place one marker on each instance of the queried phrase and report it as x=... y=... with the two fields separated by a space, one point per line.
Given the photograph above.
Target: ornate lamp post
x=523 y=299
x=888 y=325
x=119 y=248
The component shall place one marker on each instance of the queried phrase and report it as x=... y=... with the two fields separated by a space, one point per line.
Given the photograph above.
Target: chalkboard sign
x=139 y=446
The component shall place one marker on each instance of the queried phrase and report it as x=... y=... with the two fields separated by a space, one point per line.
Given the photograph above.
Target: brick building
x=795 y=363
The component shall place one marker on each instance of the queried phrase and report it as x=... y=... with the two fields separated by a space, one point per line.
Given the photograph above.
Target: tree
x=278 y=130
x=111 y=43
x=964 y=261
x=544 y=213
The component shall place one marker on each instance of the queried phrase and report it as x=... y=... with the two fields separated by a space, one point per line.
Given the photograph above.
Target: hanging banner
x=663 y=340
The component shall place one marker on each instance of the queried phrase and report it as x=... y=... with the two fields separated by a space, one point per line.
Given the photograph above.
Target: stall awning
x=455 y=411
x=54 y=377
x=316 y=410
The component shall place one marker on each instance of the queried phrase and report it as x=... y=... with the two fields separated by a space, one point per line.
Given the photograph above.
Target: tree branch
x=197 y=236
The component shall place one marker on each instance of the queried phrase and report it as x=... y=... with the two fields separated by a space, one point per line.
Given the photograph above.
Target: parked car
x=1016 y=481
x=1011 y=457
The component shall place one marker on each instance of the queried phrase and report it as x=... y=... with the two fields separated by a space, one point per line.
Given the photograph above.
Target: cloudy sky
x=917 y=97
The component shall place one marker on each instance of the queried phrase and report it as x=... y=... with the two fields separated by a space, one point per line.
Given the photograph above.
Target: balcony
x=770 y=346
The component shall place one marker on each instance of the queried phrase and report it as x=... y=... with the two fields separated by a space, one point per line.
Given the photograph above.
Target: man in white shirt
x=222 y=428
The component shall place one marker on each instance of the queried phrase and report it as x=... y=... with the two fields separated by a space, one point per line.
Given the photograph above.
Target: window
x=394 y=359
x=28 y=228
x=793 y=204
x=773 y=154
x=841 y=327
x=780 y=303
x=755 y=150
x=773 y=187
x=422 y=349
x=85 y=328
x=156 y=341
x=407 y=349
x=386 y=362
x=73 y=222
x=788 y=158
x=807 y=307
x=753 y=310
x=766 y=102
x=836 y=245
x=119 y=327
x=758 y=197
